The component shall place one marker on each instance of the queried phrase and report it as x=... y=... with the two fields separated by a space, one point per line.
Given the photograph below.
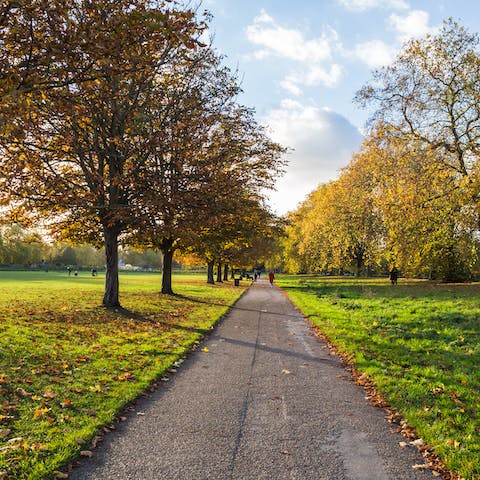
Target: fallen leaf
x=422 y=466
x=286 y=372
x=40 y=412
x=86 y=453
x=403 y=444
x=96 y=441
x=80 y=441
x=49 y=394
x=4 y=432
x=23 y=393
x=418 y=443
x=66 y=404
x=205 y=349
x=60 y=475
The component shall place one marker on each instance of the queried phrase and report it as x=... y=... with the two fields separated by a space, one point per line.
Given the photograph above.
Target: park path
x=267 y=401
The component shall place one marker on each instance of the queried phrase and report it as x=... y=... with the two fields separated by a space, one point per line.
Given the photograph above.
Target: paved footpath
x=267 y=401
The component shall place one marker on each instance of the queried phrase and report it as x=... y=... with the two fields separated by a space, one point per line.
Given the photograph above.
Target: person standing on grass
x=394 y=276
x=271 y=277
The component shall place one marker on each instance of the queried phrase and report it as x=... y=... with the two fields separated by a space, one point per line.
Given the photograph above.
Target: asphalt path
x=266 y=401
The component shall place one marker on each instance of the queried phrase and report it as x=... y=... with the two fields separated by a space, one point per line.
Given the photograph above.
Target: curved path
x=267 y=401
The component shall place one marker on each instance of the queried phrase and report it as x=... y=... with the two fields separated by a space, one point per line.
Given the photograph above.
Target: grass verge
x=68 y=366
x=420 y=344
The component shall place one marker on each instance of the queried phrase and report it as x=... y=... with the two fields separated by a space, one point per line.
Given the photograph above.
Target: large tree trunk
x=167 y=252
x=110 y=297
x=359 y=256
x=219 y=272
x=210 y=266
x=225 y=273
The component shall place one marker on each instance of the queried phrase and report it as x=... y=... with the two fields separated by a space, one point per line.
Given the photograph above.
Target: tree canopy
x=409 y=197
x=118 y=120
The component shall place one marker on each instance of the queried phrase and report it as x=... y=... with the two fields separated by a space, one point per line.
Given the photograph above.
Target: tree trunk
x=110 y=297
x=210 y=266
x=219 y=272
x=225 y=273
x=359 y=254
x=167 y=254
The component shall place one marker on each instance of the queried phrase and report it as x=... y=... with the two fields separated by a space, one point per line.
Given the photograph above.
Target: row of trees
x=410 y=196
x=119 y=125
x=24 y=248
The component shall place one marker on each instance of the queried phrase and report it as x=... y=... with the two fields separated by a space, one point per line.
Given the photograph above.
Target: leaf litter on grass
x=68 y=366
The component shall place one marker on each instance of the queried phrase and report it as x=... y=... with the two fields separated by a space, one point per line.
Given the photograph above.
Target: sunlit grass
x=419 y=342
x=67 y=365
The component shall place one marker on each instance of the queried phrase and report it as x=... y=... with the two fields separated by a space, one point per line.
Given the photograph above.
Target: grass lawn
x=419 y=342
x=67 y=365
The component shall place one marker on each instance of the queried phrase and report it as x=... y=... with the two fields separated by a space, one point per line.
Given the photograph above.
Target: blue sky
x=302 y=61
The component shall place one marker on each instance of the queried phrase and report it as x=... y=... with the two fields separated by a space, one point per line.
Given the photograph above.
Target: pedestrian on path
x=271 y=277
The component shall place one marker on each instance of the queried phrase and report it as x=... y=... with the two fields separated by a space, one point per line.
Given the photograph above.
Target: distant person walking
x=271 y=277
x=394 y=276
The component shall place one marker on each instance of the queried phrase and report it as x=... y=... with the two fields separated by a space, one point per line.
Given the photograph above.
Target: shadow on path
x=280 y=351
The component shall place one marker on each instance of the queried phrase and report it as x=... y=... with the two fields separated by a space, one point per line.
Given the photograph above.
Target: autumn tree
x=35 y=38
x=431 y=94
x=427 y=223
x=210 y=151
x=177 y=180
x=239 y=237
x=428 y=101
x=395 y=204
x=75 y=155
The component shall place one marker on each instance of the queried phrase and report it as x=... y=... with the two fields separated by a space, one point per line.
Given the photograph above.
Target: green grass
x=68 y=366
x=419 y=342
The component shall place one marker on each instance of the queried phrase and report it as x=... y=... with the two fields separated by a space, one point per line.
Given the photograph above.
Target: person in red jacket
x=271 y=277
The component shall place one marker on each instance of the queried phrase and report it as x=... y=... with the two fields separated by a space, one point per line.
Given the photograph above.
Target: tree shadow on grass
x=132 y=315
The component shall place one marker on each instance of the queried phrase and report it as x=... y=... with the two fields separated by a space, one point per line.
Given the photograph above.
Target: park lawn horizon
x=418 y=341
x=68 y=366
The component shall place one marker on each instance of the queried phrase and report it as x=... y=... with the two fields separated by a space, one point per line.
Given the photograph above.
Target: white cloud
x=264 y=17
x=289 y=83
x=413 y=24
x=288 y=43
x=362 y=5
x=314 y=75
x=374 y=53
x=310 y=55
x=322 y=142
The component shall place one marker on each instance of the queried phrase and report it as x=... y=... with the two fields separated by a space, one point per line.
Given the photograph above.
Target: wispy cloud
x=312 y=56
x=288 y=43
x=413 y=24
x=363 y=5
x=377 y=53
x=374 y=53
